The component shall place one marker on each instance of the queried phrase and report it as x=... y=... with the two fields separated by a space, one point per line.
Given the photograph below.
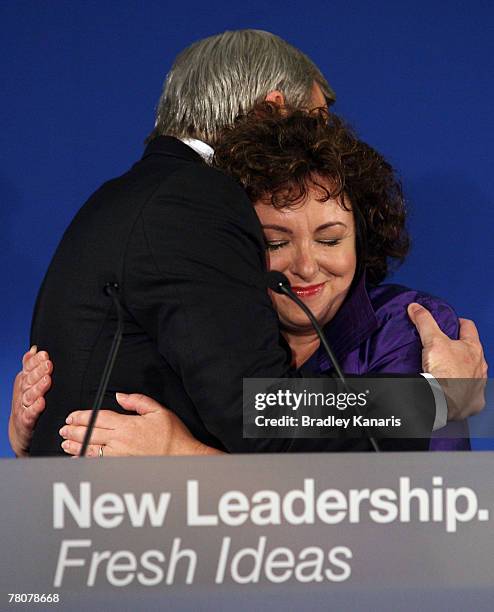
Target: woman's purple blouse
x=372 y=333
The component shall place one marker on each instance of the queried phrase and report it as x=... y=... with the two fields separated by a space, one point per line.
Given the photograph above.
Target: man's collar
x=170 y=146
x=186 y=148
x=354 y=322
x=204 y=150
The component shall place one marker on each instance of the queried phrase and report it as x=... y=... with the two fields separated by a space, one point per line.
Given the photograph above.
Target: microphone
x=278 y=282
x=111 y=289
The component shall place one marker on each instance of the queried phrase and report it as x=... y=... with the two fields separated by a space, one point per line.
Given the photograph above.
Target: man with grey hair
x=183 y=243
x=215 y=79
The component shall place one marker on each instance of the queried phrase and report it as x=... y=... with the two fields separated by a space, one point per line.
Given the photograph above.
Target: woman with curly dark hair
x=333 y=217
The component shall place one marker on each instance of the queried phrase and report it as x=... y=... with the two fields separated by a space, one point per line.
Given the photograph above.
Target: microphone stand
x=111 y=289
x=279 y=283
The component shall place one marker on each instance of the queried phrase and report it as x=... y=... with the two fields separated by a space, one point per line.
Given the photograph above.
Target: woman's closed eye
x=274 y=245
x=330 y=242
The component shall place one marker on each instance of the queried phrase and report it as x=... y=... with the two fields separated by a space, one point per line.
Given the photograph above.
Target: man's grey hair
x=217 y=78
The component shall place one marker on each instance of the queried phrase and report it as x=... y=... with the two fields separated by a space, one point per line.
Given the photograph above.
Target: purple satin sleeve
x=395 y=347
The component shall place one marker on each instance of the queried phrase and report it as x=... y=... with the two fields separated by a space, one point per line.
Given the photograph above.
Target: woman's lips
x=308 y=291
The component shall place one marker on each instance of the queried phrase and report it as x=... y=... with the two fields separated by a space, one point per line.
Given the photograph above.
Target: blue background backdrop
x=81 y=80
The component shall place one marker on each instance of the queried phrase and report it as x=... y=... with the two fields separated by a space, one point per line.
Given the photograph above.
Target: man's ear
x=276 y=97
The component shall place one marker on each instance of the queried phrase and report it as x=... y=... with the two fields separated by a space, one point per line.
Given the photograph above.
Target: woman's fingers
x=36 y=374
x=137 y=402
x=106 y=419
x=35 y=381
x=93 y=450
x=31 y=413
x=36 y=391
x=32 y=360
x=28 y=355
x=76 y=433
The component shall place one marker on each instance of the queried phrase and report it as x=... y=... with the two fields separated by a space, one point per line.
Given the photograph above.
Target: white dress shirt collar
x=204 y=150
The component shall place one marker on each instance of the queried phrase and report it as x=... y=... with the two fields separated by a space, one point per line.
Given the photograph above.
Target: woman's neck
x=302 y=346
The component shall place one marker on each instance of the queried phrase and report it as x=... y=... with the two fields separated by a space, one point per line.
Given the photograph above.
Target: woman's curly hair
x=279 y=154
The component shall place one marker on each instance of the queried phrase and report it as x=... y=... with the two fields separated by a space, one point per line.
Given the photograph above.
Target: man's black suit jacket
x=186 y=248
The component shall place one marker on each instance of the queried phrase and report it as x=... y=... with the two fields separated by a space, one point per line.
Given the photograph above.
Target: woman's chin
x=299 y=325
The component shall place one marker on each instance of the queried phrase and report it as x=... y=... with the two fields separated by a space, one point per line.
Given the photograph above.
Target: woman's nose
x=304 y=265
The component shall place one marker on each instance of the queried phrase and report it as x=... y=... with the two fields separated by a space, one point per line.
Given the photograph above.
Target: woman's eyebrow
x=279 y=228
x=286 y=230
x=330 y=224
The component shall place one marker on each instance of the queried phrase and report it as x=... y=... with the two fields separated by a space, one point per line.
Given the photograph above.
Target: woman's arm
x=28 y=402
x=153 y=430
